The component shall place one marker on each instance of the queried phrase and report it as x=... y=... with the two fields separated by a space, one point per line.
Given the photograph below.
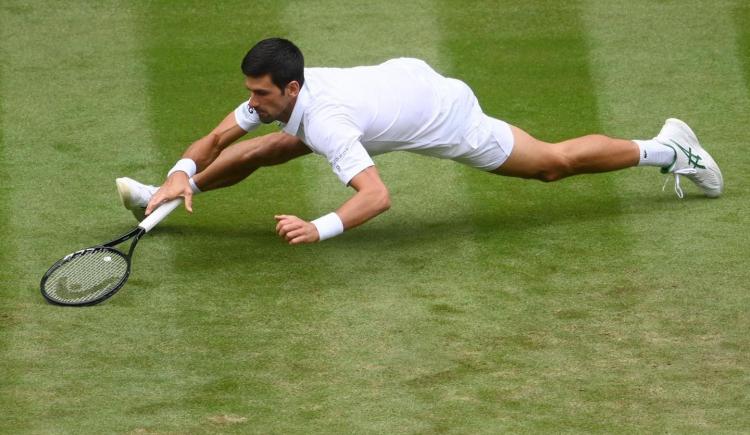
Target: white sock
x=194 y=186
x=654 y=154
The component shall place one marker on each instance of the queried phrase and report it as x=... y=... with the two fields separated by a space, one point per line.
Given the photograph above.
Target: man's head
x=274 y=74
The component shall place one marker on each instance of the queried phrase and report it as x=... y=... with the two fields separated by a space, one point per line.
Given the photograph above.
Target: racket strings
x=87 y=276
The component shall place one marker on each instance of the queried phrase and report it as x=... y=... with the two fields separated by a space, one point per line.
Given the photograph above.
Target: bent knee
x=549 y=176
x=535 y=159
x=557 y=166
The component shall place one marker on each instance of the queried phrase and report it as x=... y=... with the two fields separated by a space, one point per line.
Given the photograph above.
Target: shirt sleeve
x=246 y=117
x=339 y=141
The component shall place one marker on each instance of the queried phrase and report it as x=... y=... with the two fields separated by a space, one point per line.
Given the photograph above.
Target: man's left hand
x=295 y=230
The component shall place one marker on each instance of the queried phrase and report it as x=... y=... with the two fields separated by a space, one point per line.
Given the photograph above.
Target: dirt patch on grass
x=227 y=419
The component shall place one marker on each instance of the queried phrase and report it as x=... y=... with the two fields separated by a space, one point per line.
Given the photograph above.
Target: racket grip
x=159 y=214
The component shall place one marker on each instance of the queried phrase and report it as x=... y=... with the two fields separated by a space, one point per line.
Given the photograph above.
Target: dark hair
x=278 y=57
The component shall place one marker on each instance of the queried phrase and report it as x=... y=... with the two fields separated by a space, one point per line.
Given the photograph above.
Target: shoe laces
x=677 y=187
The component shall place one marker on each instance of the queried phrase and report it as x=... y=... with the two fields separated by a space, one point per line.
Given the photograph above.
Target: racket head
x=86 y=277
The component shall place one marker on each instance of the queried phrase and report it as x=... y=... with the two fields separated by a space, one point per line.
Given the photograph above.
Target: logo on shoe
x=693 y=159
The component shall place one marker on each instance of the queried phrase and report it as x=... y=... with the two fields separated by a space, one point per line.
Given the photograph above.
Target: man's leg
x=234 y=164
x=675 y=150
x=238 y=161
x=532 y=158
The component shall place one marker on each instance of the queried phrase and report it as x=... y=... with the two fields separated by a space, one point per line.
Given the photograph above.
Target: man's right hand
x=177 y=185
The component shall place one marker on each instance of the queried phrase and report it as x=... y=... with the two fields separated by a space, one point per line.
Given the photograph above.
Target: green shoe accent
x=668 y=169
x=693 y=159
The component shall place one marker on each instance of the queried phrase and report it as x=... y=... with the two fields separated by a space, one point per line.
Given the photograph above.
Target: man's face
x=268 y=100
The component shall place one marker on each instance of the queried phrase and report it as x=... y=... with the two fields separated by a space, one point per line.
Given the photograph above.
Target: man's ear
x=293 y=88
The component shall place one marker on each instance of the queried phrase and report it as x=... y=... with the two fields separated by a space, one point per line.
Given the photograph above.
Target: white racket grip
x=159 y=214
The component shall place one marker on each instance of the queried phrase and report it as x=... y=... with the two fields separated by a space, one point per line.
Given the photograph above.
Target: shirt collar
x=292 y=127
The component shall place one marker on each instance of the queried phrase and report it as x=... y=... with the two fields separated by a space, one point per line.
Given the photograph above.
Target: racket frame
x=136 y=233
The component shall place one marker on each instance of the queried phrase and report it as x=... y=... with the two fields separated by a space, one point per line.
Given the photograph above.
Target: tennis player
x=348 y=115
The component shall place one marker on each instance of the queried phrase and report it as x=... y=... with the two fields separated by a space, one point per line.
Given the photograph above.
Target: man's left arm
x=370 y=200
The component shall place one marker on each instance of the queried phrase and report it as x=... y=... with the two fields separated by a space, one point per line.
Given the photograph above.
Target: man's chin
x=266 y=119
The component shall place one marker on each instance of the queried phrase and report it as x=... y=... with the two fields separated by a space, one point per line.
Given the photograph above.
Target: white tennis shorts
x=488 y=144
x=469 y=136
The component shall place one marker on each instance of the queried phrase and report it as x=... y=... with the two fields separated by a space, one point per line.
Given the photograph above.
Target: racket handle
x=159 y=214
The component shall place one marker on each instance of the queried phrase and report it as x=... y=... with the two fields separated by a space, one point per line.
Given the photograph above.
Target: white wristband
x=329 y=226
x=196 y=189
x=187 y=166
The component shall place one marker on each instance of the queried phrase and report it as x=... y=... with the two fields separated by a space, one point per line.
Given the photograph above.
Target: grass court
x=477 y=304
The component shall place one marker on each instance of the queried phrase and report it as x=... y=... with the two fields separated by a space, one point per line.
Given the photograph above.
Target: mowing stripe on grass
x=550 y=255
x=209 y=308
x=652 y=60
x=241 y=304
x=742 y=26
x=73 y=100
x=8 y=315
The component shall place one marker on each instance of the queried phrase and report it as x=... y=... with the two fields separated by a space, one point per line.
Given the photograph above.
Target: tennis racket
x=91 y=275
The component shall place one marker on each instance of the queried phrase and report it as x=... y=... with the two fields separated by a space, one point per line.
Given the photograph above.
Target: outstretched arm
x=371 y=199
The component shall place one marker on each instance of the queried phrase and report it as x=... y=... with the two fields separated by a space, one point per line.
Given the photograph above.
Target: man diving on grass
x=348 y=115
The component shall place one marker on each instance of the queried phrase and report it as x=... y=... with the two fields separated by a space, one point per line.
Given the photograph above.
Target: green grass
x=477 y=304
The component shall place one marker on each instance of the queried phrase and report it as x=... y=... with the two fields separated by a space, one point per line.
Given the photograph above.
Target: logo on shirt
x=250 y=108
x=337 y=159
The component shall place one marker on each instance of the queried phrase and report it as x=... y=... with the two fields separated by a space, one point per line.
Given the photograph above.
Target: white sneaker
x=691 y=159
x=135 y=196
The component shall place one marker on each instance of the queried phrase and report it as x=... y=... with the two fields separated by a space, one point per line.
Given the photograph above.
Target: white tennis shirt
x=349 y=114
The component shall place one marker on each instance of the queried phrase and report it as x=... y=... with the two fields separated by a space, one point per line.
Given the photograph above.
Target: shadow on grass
x=482 y=223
